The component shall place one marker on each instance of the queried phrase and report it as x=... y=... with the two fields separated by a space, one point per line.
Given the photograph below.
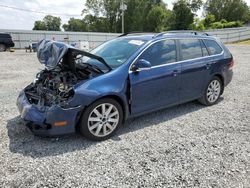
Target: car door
x=158 y=86
x=194 y=68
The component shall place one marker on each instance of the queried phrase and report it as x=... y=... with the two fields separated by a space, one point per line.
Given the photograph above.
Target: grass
x=246 y=42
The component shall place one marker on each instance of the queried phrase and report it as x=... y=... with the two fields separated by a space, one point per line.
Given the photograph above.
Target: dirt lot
x=185 y=146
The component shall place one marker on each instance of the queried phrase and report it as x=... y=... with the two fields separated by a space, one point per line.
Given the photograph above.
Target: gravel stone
x=189 y=145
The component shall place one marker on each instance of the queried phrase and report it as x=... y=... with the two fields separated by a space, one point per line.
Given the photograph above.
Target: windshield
x=114 y=52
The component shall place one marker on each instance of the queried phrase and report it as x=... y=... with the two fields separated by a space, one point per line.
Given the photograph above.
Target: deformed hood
x=50 y=52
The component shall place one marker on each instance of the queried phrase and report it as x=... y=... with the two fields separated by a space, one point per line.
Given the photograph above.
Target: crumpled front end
x=46 y=103
x=48 y=121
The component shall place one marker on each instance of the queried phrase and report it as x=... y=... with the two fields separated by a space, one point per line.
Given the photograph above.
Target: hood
x=51 y=52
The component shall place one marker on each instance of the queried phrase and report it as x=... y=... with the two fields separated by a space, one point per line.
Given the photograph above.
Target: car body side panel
x=194 y=73
x=113 y=83
x=151 y=89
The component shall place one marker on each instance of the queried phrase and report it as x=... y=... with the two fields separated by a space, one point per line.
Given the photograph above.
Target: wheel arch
x=120 y=101
x=112 y=96
x=222 y=81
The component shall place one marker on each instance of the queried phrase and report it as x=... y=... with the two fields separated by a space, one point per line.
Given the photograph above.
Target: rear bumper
x=41 y=120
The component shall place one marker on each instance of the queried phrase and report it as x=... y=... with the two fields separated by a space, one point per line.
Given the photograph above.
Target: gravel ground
x=185 y=146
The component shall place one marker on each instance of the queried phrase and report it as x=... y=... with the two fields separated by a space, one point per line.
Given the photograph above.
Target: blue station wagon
x=133 y=74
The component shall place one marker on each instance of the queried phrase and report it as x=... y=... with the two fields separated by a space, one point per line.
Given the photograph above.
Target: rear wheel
x=213 y=92
x=101 y=119
x=2 y=47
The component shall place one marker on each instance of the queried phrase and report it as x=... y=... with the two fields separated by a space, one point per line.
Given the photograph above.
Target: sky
x=14 y=19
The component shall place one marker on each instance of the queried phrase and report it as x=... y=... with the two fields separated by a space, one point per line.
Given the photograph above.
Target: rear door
x=195 y=68
x=158 y=86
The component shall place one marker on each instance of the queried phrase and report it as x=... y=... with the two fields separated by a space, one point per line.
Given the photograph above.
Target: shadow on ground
x=24 y=142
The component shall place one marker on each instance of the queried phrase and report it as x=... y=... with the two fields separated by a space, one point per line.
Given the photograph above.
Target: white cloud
x=14 y=19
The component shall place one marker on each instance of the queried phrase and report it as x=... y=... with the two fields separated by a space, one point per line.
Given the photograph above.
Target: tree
x=108 y=9
x=156 y=18
x=136 y=16
x=194 y=5
x=231 y=10
x=39 y=25
x=182 y=16
x=96 y=24
x=209 y=19
x=52 y=23
x=75 y=25
x=49 y=23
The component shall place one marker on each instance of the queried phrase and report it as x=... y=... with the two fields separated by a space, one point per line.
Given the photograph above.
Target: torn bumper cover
x=44 y=121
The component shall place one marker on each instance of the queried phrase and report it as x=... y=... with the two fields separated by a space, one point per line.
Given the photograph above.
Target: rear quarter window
x=212 y=46
x=190 y=48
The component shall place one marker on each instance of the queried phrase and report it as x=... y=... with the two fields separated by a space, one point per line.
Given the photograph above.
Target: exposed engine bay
x=54 y=85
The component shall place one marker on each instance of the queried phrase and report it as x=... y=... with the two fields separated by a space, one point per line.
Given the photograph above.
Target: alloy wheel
x=103 y=120
x=2 y=48
x=213 y=91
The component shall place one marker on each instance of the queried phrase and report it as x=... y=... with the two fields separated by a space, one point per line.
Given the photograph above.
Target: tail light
x=231 y=64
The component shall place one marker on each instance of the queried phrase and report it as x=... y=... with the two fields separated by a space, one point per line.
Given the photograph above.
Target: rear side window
x=190 y=48
x=213 y=47
x=160 y=53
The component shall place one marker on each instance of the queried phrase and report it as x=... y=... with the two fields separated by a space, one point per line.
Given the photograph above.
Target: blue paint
x=139 y=92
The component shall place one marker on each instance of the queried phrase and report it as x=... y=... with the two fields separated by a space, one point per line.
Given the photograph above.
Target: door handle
x=208 y=65
x=176 y=72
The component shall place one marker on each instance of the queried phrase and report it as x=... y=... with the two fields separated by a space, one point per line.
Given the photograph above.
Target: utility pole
x=123 y=7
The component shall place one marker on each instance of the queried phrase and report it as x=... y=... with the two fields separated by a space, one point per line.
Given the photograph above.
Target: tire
x=2 y=47
x=97 y=125
x=213 y=92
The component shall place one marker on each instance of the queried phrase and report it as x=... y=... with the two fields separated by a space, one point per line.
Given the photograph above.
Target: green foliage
x=194 y=5
x=155 y=20
x=182 y=15
x=49 y=23
x=230 y=10
x=224 y=24
x=209 y=19
x=96 y=24
x=217 y=25
x=152 y=16
x=223 y=21
x=141 y=15
x=75 y=25
x=104 y=11
x=39 y=25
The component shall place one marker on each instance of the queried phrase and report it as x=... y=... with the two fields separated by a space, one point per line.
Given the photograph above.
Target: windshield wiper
x=94 y=57
x=93 y=67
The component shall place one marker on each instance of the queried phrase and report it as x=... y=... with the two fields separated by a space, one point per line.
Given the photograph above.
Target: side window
x=204 y=49
x=190 y=48
x=161 y=52
x=213 y=47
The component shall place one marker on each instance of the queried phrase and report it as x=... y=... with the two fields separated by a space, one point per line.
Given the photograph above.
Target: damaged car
x=95 y=92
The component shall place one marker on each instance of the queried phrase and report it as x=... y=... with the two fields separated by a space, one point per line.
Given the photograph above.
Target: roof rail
x=136 y=32
x=181 y=32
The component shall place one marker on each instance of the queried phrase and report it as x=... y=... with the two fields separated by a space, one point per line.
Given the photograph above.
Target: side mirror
x=141 y=64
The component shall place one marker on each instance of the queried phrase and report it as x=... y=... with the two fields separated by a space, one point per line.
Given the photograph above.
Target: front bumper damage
x=42 y=121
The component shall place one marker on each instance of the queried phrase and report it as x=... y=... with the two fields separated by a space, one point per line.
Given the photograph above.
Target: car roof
x=5 y=34
x=163 y=35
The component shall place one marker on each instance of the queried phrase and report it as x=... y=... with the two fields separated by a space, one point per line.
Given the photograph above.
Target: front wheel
x=101 y=119
x=212 y=93
x=2 y=48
